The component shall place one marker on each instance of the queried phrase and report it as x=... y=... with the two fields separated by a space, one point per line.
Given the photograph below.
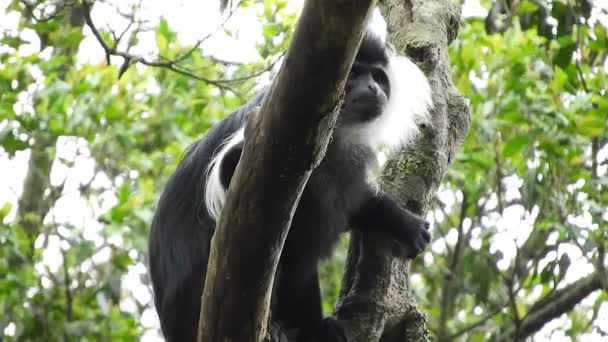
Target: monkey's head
x=386 y=97
x=367 y=88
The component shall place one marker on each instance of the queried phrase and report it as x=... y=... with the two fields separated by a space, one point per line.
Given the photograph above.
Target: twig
x=171 y=65
x=31 y=7
x=67 y=281
x=200 y=41
x=448 y=283
x=577 y=61
x=475 y=325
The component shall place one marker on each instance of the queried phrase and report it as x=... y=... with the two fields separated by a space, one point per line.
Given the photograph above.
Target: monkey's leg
x=299 y=306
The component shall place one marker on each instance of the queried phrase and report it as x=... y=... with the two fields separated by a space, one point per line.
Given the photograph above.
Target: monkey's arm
x=381 y=211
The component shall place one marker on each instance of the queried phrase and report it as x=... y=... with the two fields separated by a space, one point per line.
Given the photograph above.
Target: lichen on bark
x=377 y=301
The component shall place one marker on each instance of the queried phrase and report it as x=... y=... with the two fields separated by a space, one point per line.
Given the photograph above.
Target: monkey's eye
x=355 y=71
x=380 y=76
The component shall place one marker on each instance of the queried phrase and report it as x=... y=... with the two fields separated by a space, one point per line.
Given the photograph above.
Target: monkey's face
x=366 y=94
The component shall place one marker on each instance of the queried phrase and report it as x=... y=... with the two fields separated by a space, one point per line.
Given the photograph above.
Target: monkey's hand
x=417 y=233
x=380 y=211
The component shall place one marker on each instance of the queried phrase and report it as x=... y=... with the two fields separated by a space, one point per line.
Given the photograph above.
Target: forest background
x=520 y=223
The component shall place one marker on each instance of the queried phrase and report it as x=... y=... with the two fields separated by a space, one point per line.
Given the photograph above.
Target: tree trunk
x=376 y=299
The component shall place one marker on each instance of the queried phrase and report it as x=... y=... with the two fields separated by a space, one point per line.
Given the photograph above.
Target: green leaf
x=528 y=7
x=13 y=41
x=124 y=193
x=164 y=36
x=271 y=30
x=56 y=125
x=591 y=125
x=515 y=145
x=11 y=144
x=564 y=55
x=5 y=210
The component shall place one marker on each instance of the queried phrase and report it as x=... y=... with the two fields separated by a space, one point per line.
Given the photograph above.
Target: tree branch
x=66 y=283
x=475 y=325
x=452 y=272
x=285 y=141
x=376 y=298
x=170 y=64
x=31 y=7
x=557 y=303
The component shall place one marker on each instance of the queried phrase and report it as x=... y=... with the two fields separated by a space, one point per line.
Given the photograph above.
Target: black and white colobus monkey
x=386 y=97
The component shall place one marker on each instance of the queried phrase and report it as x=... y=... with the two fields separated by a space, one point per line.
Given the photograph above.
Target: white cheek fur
x=407 y=107
x=409 y=104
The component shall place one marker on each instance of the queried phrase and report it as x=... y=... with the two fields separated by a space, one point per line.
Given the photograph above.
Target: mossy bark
x=376 y=301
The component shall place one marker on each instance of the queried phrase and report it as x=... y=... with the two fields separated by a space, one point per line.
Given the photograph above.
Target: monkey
x=386 y=98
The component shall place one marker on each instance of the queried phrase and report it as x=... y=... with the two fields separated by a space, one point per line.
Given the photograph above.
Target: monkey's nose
x=372 y=89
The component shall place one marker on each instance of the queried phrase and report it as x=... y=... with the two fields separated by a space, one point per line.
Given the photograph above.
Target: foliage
x=521 y=213
x=523 y=210
x=72 y=254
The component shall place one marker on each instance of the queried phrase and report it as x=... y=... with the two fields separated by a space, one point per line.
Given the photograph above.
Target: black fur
x=372 y=50
x=229 y=162
x=336 y=198
x=181 y=234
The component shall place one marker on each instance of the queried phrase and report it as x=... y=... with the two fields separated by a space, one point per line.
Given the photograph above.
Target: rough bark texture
x=286 y=139
x=376 y=300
